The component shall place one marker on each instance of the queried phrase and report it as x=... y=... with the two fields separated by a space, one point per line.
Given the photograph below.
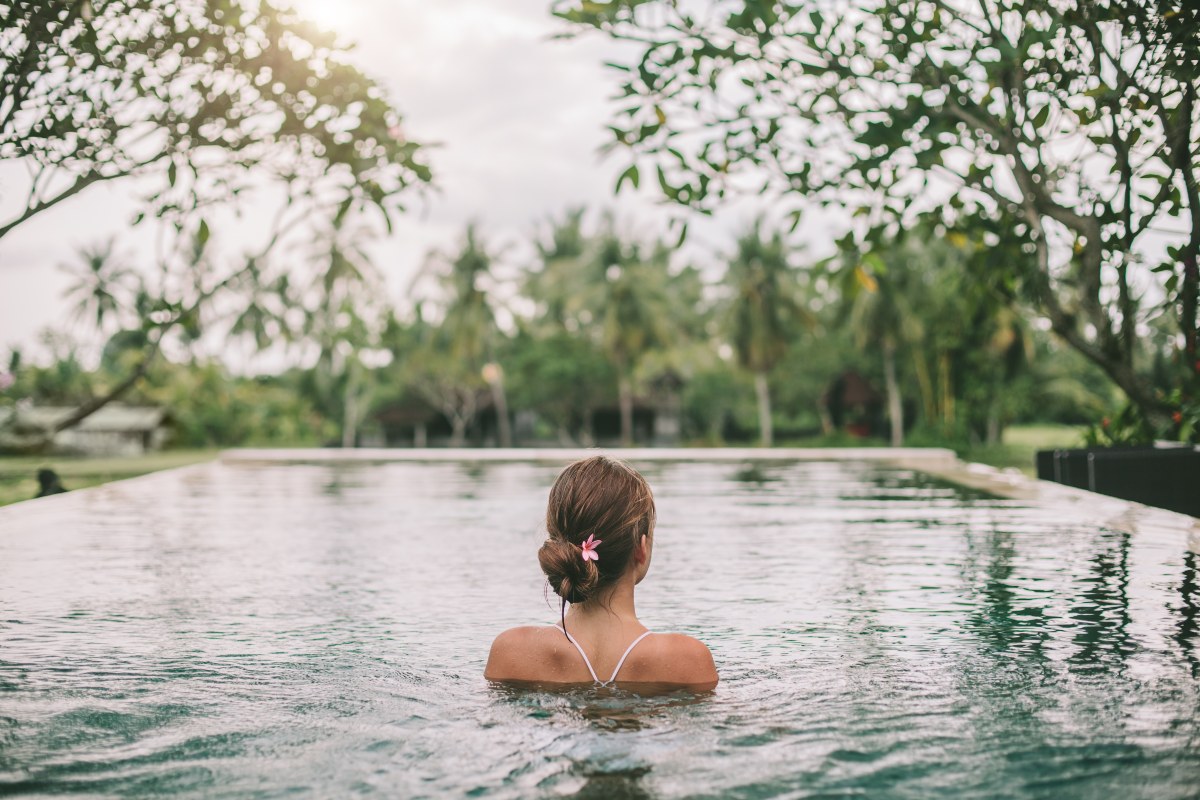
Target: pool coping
x=565 y=454
x=1109 y=512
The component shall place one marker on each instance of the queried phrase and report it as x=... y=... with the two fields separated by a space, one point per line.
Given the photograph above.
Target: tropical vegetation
x=1003 y=171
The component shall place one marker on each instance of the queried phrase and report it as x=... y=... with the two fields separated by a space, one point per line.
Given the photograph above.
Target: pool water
x=320 y=630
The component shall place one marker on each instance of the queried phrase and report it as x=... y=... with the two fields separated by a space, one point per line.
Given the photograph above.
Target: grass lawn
x=1020 y=444
x=18 y=481
x=1017 y=449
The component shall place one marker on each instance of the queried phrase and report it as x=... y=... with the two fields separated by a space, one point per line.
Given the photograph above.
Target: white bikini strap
x=571 y=639
x=621 y=663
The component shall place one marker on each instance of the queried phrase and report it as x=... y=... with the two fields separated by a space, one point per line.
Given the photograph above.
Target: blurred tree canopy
x=209 y=101
x=1069 y=129
x=960 y=366
x=205 y=95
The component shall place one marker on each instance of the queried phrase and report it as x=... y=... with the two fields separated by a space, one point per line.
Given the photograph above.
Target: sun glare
x=336 y=16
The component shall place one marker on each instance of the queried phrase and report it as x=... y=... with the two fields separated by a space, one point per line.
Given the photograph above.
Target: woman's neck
x=617 y=602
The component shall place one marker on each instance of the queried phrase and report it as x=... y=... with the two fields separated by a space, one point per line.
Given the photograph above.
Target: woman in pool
x=600 y=526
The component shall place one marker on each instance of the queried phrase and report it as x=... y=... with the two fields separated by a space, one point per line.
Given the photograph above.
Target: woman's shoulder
x=515 y=637
x=523 y=653
x=675 y=658
x=680 y=644
x=519 y=639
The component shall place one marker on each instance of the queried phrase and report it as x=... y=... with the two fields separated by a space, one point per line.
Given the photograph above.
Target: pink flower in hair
x=588 y=548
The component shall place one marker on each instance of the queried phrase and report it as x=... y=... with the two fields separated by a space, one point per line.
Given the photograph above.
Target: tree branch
x=94 y=405
x=80 y=184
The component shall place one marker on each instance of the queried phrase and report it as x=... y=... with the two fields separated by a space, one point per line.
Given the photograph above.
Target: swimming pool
x=258 y=629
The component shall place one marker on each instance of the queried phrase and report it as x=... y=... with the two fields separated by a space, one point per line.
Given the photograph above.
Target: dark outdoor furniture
x=1164 y=477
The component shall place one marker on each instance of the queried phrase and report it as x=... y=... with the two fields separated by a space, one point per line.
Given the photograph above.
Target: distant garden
x=601 y=329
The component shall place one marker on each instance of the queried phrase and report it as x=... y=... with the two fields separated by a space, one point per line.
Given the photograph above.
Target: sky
x=517 y=116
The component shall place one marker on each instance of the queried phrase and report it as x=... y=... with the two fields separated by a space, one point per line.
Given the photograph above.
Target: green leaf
x=664 y=184
x=683 y=232
x=631 y=174
x=341 y=212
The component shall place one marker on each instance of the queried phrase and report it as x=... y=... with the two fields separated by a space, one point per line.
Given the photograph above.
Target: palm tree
x=564 y=373
x=925 y=296
x=629 y=306
x=619 y=294
x=879 y=314
x=557 y=284
x=341 y=318
x=101 y=283
x=764 y=311
x=469 y=336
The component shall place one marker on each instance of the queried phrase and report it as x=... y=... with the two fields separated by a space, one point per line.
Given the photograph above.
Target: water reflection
x=1101 y=609
x=630 y=707
x=753 y=473
x=1008 y=616
x=615 y=785
x=1187 y=630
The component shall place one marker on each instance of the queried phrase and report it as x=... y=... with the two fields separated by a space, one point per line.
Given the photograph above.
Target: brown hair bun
x=572 y=578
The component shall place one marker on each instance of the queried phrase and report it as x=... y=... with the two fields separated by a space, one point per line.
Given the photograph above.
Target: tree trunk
x=925 y=386
x=458 y=431
x=716 y=427
x=625 y=399
x=350 y=411
x=349 y=422
x=894 y=401
x=763 y=390
x=587 y=432
x=946 y=384
x=1189 y=289
x=1189 y=296
x=500 y=402
x=994 y=429
x=826 y=418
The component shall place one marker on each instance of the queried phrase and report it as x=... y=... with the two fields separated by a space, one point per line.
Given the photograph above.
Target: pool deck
x=1088 y=506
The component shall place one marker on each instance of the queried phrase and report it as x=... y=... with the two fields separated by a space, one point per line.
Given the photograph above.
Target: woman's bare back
x=543 y=654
